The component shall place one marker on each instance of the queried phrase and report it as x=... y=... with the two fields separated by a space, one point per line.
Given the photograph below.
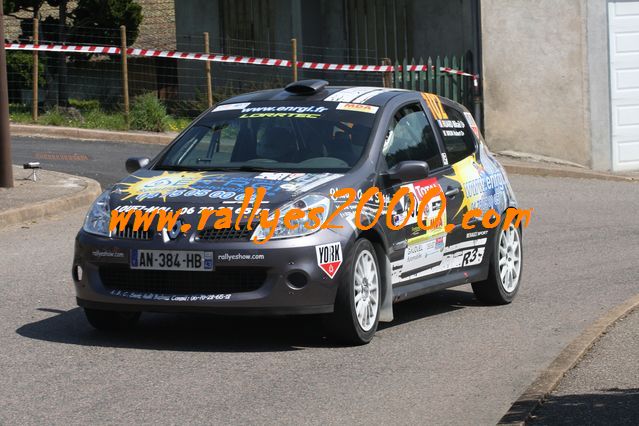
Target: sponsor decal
x=356 y=95
x=329 y=258
x=459 y=259
x=370 y=109
x=451 y=124
x=483 y=185
x=230 y=257
x=467 y=244
x=423 y=255
x=476 y=234
x=231 y=107
x=113 y=253
x=279 y=176
x=171 y=185
x=431 y=213
x=159 y=186
x=453 y=133
x=171 y=297
x=281 y=111
x=294 y=109
x=472 y=124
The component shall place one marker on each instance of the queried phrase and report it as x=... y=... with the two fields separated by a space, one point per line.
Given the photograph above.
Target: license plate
x=172 y=260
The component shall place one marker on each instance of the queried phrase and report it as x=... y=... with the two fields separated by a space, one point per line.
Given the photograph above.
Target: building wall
x=157 y=29
x=536 y=77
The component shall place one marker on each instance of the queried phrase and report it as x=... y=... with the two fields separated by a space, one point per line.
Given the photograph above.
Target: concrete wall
x=536 y=77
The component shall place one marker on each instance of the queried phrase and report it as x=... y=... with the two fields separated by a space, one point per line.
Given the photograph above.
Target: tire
x=111 y=320
x=503 y=281
x=360 y=292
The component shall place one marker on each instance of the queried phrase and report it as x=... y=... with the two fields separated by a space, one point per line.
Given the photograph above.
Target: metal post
x=294 y=58
x=125 y=75
x=36 y=72
x=6 y=170
x=477 y=65
x=387 y=76
x=209 y=86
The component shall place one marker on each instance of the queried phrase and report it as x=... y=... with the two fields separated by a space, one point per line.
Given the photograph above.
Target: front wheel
x=357 y=303
x=111 y=320
x=504 y=276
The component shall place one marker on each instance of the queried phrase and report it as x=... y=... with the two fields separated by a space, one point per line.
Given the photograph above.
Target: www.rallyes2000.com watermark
x=317 y=218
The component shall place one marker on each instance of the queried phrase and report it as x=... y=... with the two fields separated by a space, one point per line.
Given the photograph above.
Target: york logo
x=329 y=258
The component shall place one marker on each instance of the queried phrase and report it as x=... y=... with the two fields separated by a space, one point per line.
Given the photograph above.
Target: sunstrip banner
x=214 y=57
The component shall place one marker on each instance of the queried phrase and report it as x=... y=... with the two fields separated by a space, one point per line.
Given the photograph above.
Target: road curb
x=547 y=381
x=541 y=170
x=30 y=130
x=53 y=206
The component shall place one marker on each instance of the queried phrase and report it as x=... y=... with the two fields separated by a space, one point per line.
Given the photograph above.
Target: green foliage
x=94 y=119
x=85 y=105
x=54 y=117
x=98 y=21
x=20 y=69
x=148 y=113
x=97 y=119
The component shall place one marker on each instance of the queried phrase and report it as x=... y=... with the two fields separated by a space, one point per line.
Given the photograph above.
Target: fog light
x=77 y=273
x=297 y=280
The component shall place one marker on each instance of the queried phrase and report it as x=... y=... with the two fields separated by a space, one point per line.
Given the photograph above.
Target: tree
x=90 y=22
x=99 y=21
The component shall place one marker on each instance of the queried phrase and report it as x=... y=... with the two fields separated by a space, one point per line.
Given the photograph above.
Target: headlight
x=99 y=216
x=306 y=203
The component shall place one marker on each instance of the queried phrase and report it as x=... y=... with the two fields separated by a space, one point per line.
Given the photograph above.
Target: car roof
x=380 y=96
x=320 y=90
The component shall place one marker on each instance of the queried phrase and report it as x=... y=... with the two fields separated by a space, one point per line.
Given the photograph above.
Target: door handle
x=451 y=192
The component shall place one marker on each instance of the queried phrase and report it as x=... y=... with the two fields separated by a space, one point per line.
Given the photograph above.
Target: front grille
x=222 y=280
x=129 y=234
x=243 y=234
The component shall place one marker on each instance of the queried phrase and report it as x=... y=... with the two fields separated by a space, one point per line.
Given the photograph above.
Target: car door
x=466 y=248
x=415 y=252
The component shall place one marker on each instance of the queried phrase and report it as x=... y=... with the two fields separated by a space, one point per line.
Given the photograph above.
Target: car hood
x=213 y=189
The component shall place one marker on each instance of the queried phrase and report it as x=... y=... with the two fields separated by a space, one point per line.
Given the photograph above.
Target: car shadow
x=606 y=407
x=214 y=333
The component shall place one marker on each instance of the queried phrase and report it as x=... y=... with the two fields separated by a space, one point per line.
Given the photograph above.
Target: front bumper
x=280 y=265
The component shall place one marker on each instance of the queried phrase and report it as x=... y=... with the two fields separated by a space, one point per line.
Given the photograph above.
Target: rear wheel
x=504 y=275
x=358 y=299
x=111 y=320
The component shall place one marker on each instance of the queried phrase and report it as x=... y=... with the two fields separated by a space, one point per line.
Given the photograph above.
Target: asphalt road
x=603 y=389
x=102 y=161
x=446 y=359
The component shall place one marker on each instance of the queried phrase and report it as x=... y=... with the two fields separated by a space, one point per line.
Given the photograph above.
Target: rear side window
x=457 y=134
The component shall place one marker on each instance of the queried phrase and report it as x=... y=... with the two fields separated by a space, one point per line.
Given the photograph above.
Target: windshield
x=304 y=136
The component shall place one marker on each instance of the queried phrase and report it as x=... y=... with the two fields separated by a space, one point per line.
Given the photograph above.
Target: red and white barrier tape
x=107 y=50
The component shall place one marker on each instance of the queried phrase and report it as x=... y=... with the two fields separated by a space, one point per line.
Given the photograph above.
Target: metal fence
x=82 y=82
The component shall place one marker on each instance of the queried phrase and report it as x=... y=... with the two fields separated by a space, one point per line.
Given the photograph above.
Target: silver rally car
x=302 y=144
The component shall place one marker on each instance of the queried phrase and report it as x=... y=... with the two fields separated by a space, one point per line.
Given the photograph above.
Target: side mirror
x=136 y=163
x=409 y=171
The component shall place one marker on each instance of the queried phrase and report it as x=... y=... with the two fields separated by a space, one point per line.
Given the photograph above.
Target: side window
x=457 y=134
x=410 y=137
